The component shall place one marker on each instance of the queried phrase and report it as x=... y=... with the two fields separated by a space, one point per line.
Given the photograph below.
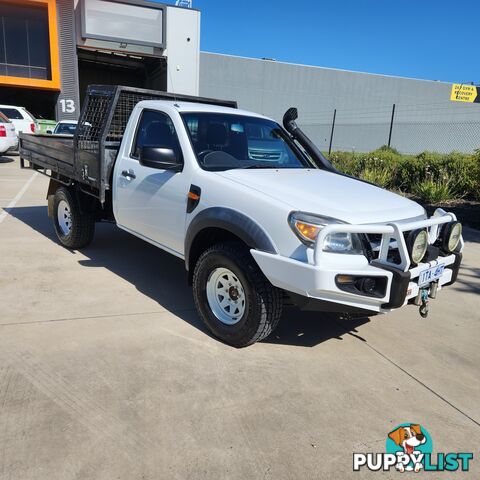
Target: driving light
x=307 y=227
x=451 y=236
x=417 y=245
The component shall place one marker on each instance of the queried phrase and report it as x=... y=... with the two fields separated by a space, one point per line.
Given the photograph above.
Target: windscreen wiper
x=260 y=165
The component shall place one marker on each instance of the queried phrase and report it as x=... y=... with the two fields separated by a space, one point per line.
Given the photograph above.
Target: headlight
x=451 y=235
x=307 y=227
x=417 y=245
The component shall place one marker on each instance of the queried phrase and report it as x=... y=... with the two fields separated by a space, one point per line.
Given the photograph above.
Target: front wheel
x=74 y=228
x=233 y=297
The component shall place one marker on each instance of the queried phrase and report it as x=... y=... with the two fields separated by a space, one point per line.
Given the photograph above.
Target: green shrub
x=386 y=167
x=379 y=176
x=346 y=162
x=431 y=191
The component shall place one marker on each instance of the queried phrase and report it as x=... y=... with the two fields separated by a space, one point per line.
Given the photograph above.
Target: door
x=152 y=202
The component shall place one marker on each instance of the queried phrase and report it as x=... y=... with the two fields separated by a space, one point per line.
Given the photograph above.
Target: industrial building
x=424 y=118
x=50 y=50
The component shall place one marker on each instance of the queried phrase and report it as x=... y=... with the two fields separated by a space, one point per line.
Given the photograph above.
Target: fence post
x=391 y=126
x=331 y=133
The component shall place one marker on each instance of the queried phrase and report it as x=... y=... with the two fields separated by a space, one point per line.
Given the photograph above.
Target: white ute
x=259 y=215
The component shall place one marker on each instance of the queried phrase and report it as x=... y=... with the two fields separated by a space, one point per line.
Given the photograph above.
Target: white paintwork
x=154 y=202
x=181 y=106
x=69 y=122
x=10 y=141
x=183 y=50
x=319 y=191
x=153 y=207
x=21 y=125
x=318 y=281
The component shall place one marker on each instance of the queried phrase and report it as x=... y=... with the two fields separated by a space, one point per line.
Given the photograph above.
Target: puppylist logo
x=409 y=449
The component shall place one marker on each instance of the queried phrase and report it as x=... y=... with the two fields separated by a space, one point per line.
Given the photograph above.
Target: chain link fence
x=439 y=127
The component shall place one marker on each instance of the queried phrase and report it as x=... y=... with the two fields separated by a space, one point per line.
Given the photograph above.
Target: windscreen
x=66 y=128
x=225 y=141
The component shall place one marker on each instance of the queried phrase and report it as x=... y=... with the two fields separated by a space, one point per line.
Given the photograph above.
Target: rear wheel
x=233 y=297
x=74 y=227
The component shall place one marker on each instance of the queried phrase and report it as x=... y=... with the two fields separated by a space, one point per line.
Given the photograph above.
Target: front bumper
x=316 y=279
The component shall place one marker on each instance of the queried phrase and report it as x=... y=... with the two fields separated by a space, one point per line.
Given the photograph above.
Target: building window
x=24 y=42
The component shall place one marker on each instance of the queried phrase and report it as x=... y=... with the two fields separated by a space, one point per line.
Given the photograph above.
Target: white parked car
x=65 y=127
x=255 y=210
x=8 y=135
x=21 y=118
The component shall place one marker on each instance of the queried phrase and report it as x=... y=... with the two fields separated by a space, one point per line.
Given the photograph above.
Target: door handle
x=129 y=174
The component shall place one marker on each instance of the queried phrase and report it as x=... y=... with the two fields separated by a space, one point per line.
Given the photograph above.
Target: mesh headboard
x=110 y=106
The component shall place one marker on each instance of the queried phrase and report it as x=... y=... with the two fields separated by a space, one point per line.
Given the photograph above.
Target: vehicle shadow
x=4 y=159
x=307 y=329
x=469 y=276
x=471 y=235
x=468 y=280
x=163 y=278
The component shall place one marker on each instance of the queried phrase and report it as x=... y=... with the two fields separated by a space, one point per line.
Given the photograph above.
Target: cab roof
x=184 y=107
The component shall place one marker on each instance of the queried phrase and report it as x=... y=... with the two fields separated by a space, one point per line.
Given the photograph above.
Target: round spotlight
x=452 y=234
x=418 y=244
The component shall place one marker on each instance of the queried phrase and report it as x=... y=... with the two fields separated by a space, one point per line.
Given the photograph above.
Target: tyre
x=233 y=297
x=74 y=228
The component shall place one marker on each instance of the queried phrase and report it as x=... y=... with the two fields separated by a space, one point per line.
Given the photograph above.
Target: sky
x=432 y=40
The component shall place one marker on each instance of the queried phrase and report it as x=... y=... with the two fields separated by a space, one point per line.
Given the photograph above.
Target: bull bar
x=388 y=231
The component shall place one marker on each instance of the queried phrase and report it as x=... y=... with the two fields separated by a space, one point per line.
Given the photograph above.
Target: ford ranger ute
x=258 y=214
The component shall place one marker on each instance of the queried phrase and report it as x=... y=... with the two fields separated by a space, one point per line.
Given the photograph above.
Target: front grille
x=265 y=155
x=375 y=241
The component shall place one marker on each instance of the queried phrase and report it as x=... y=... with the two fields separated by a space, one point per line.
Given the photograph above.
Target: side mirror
x=161 y=158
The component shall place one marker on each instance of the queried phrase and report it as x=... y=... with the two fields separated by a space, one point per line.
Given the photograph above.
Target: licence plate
x=431 y=274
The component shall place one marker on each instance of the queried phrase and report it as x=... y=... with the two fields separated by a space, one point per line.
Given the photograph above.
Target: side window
x=155 y=129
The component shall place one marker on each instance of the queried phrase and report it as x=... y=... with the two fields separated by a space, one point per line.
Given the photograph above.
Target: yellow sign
x=464 y=93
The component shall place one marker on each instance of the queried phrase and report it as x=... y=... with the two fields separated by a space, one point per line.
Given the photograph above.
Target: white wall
x=183 y=50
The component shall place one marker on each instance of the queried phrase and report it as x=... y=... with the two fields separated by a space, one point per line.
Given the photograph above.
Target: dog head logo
x=410 y=442
x=408 y=437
